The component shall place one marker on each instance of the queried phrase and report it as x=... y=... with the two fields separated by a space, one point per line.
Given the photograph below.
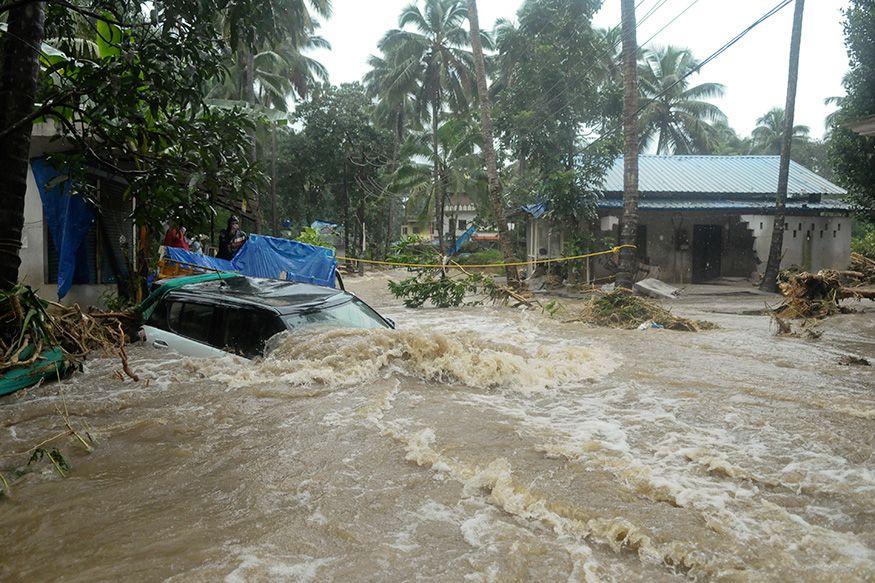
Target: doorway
x=707 y=251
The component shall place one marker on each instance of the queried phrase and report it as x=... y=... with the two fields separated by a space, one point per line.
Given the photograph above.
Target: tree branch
x=43 y=110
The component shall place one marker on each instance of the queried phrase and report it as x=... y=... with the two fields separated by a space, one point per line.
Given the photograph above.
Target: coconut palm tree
x=279 y=74
x=675 y=114
x=430 y=45
x=462 y=164
x=394 y=88
x=770 y=128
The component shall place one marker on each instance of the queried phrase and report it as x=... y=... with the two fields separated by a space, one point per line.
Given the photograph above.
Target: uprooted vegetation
x=29 y=325
x=817 y=295
x=624 y=310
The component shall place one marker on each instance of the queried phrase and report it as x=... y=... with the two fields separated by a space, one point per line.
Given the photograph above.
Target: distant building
x=460 y=212
x=706 y=217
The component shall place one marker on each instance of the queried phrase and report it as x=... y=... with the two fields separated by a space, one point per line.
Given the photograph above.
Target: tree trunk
x=250 y=98
x=770 y=277
x=495 y=198
x=438 y=179
x=18 y=84
x=628 y=256
x=274 y=219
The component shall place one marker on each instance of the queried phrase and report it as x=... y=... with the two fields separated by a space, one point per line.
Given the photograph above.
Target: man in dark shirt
x=231 y=239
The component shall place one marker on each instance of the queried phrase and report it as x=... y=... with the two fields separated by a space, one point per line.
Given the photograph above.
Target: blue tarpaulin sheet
x=270 y=258
x=537 y=210
x=464 y=238
x=275 y=258
x=69 y=219
x=189 y=259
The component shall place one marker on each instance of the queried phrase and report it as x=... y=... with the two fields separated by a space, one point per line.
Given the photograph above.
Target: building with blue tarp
x=72 y=248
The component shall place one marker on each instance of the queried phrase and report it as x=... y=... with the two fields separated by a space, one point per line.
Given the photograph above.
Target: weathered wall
x=670 y=243
x=812 y=243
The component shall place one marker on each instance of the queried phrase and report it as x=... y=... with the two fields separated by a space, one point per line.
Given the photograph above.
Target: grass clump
x=621 y=309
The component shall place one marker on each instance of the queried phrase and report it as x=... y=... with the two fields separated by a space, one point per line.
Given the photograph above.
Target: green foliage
x=622 y=309
x=769 y=132
x=311 y=236
x=864 y=242
x=412 y=249
x=333 y=166
x=853 y=156
x=57 y=459
x=675 y=114
x=136 y=105
x=483 y=257
x=550 y=83
x=434 y=287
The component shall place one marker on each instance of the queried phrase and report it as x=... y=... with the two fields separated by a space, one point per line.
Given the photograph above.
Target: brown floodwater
x=480 y=443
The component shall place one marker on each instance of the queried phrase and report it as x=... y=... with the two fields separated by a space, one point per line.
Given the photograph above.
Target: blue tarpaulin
x=270 y=258
x=276 y=258
x=69 y=219
x=464 y=238
x=537 y=210
x=189 y=259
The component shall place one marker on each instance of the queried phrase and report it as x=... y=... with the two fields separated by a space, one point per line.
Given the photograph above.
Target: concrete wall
x=818 y=243
x=812 y=243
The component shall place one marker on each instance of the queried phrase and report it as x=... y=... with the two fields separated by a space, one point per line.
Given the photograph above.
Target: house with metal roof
x=706 y=217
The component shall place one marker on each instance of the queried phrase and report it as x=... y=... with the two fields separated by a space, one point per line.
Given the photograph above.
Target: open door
x=707 y=250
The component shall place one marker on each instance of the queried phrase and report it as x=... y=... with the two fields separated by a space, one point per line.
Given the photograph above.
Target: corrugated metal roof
x=739 y=175
x=724 y=204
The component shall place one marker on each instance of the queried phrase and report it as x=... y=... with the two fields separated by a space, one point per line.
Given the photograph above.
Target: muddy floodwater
x=473 y=444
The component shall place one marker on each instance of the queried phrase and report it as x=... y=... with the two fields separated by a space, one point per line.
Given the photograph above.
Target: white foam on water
x=343 y=358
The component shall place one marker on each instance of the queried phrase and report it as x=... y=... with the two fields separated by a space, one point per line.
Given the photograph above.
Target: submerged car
x=214 y=316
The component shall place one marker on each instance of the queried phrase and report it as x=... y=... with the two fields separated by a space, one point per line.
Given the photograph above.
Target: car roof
x=280 y=296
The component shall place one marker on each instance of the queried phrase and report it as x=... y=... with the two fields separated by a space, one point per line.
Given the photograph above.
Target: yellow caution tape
x=484 y=265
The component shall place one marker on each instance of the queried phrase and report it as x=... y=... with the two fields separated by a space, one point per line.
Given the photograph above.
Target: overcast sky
x=754 y=71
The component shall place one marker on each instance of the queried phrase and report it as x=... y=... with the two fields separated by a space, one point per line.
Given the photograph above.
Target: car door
x=184 y=326
x=245 y=330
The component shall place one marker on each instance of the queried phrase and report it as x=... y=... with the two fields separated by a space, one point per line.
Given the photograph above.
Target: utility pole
x=770 y=277
x=628 y=255
x=513 y=277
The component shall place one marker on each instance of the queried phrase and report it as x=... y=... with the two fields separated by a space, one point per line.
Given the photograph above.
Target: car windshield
x=351 y=314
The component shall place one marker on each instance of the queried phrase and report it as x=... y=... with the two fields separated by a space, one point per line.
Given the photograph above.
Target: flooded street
x=482 y=444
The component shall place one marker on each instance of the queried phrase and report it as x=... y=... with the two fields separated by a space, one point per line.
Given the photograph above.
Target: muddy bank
x=478 y=443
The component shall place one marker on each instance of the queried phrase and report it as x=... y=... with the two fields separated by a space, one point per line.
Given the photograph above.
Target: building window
x=761 y=226
x=794 y=234
x=834 y=234
x=463 y=224
x=403 y=230
x=840 y=226
x=800 y=227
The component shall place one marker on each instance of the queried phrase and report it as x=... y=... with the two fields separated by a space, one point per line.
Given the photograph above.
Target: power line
x=777 y=8
x=670 y=22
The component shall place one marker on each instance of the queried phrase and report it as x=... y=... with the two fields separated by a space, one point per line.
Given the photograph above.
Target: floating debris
x=622 y=309
x=851 y=360
x=816 y=295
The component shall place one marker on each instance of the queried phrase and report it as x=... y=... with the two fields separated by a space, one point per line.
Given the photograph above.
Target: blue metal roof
x=734 y=175
x=751 y=204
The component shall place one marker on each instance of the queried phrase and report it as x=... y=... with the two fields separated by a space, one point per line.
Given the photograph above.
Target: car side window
x=194 y=321
x=246 y=330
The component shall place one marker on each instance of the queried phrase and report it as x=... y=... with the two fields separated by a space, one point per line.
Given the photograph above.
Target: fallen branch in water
x=30 y=325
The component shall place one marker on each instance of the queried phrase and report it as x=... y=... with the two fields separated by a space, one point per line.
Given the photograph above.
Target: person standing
x=231 y=239
x=175 y=237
